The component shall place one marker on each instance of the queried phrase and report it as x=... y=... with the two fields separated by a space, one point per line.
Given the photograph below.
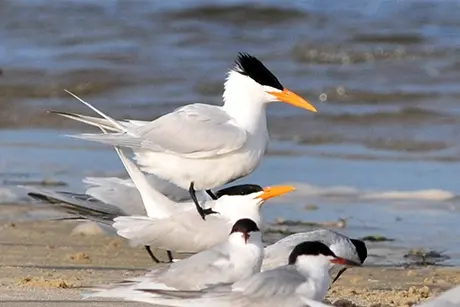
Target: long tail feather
x=90 y=120
x=73 y=204
x=114 y=139
x=115 y=123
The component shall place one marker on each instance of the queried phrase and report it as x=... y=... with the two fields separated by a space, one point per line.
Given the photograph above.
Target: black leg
x=338 y=274
x=211 y=194
x=191 y=190
x=170 y=256
x=151 y=254
x=202 y=212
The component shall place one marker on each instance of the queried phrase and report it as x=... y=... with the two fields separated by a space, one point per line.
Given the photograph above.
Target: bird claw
x=208 y=211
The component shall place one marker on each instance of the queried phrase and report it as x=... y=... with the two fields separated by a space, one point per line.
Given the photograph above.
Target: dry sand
x=43 y=264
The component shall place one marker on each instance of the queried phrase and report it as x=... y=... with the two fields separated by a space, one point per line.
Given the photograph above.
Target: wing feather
x=193 y=131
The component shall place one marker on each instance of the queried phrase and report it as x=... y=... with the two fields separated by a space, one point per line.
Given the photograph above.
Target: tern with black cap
x=201 y=146
x=170 y=225
x=343 y=246
x=304 y=276
x=240 y=256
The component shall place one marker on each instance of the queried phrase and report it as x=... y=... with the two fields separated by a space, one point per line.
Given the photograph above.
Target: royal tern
x=237 y=258
x=200 y=146
x=305 y=275
x=341 y=245
x=175 y=226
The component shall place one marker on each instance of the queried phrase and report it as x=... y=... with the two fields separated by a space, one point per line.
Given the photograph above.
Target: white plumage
x=199 y=146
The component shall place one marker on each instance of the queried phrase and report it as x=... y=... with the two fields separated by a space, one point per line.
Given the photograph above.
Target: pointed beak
x=245 y=236
x=344 y=261
x=293 y=99
x=274 y=191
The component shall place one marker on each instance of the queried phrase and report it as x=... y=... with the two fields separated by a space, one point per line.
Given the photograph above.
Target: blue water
x=28 y=156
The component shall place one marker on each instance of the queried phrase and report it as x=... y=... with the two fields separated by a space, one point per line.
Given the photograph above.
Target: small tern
x=305 y=276
x=201 y=146
x=341 y=245
x=237 y=258
x=176 y=226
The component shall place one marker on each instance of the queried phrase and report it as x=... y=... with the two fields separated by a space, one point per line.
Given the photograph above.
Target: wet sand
x=44 y=264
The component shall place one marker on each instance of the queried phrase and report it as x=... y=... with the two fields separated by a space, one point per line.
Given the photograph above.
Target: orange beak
x=343 y=261
x=274 y=191
x=293 y=99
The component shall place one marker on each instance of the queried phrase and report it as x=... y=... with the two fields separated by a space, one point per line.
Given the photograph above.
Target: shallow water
x=384 y=77
x=418 y=210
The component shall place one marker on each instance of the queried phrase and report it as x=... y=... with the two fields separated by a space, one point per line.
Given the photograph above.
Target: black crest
x=250 y=66
x=242 y=189
x=313 y=248
x=245 y=226
x=360 y=249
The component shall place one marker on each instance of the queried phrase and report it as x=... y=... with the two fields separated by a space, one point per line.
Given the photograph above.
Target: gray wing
x=278 y=253
x=280 y=282
x=80 y=205
x=118 y=192
x=274 y=288
x=192 y=273
x=192 y=131
x=206 y=268
x=196 y=130
x=182 y=232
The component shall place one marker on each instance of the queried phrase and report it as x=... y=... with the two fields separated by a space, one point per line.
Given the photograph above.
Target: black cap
x=250 y=66
x=360 y=249
x=241 y=189
x=312 y=248
x=244 y=226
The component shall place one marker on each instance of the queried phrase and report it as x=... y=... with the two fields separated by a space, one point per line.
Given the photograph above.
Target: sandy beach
x=380 y=157
x=44 y=263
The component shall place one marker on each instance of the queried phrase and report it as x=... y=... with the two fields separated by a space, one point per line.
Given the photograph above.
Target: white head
x=245 y=231
x=250 y=82
x=245 y=200
x=316 y=258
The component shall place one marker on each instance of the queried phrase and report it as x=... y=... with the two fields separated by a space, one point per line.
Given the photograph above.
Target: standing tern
x=237 y=258
x=175 y=226
x=305 y=275
x=341 y=245
x=200 y=146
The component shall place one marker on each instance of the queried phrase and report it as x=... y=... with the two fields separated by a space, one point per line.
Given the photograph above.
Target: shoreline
x=44 y=264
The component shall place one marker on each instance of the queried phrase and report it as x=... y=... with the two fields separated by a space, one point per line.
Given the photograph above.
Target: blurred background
x=381 y=155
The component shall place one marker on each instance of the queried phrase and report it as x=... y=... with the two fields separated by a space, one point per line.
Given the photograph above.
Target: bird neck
x=317 y=276
x=245 y=102
x=246 y=257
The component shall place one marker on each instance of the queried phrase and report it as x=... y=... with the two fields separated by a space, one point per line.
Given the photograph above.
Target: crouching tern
x=342 y=246
x=237 y=258
x=304 y=276
x=201 y=146
x=170 y=225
